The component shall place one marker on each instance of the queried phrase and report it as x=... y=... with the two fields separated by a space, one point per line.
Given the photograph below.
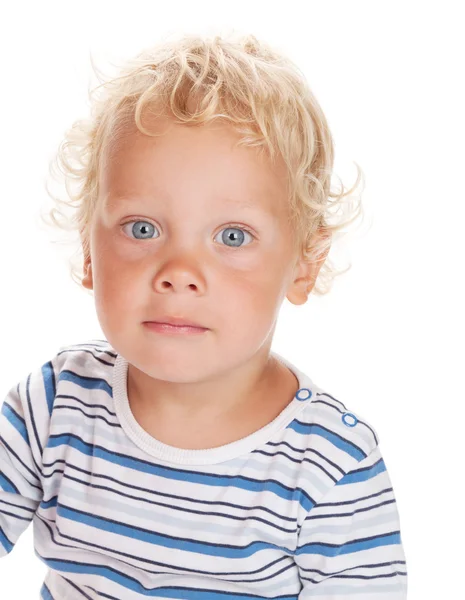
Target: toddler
x=180 y=457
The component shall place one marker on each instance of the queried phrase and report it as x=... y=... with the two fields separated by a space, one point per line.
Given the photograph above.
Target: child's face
x=187 y=187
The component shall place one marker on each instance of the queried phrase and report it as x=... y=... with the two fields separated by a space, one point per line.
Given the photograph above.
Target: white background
x=388 y=339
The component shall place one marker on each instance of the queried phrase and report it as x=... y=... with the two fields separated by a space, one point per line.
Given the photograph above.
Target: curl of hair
x=197 y=79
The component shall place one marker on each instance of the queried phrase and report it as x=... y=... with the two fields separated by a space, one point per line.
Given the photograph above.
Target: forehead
x=112 y=201
x=195 y=163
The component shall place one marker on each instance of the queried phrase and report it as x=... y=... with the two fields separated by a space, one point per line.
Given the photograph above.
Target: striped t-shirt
x=301 y=508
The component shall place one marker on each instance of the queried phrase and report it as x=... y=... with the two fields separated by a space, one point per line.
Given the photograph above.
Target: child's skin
x=210 y=389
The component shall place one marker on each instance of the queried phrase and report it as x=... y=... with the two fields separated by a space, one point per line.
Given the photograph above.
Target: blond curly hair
x=259 y=91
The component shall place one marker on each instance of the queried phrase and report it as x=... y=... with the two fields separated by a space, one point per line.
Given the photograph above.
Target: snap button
x=349 y=419
x=304 y=390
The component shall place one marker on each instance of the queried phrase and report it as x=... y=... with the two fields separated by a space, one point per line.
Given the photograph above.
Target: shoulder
x=71 y=372
x=338 y=430
x=80 y=367
x=94 y=356
x=81 y=373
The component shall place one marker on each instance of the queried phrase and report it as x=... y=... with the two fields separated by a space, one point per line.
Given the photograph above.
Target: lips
x=176 y=321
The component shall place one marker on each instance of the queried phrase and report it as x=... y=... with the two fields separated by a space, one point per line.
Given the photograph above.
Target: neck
x=227 y=392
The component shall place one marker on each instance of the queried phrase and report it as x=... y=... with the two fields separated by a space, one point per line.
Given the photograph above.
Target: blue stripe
x=89 y=383
x=166 y=541
x=179 y=592
x=386 y=539
x=334 y=438
x=7 y=485
x=49 y=503
x=202 y=478
x=48 y=376
x=5 y=542
x=363 y=474
x=45 y=593
x=17 y=421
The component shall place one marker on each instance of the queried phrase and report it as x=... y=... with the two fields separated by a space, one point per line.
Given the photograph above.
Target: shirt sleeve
x=350 y=544
x=23 y=433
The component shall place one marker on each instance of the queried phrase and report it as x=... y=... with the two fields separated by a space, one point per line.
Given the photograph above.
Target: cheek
x=116 y=290
x=114 y=272
x=253 y=297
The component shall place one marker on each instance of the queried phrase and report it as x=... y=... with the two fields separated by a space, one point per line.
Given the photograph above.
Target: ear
x=87 y=281
x=306 y=273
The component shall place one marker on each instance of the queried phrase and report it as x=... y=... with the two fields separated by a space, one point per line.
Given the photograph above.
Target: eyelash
x=230 y=225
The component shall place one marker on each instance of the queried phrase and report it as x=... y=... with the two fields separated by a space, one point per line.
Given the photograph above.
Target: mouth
x=176 y=322
x=169 y=328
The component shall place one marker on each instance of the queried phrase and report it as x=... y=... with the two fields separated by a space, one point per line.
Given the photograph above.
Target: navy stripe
x=357 y=567
x=168 y=541
x=203 y=502
x=180 y=592
x=86 y=404
x=32 y=510
x=79 y=409
x=10 y=514
x=365 y=577
x=101 y=594
x=81 y=348
x=337 y=515
x=326 y=549
x=52 y=502
x=319 y=394
x=13 y=453
x=83 y=381
x=298 y=461
x=34 y=426
x=364 y=473
x=179 y=568
x=97 y=358
x=306 y=450
x=72 y=584
x=375 y=438
x=358 y=499
x=212 y=479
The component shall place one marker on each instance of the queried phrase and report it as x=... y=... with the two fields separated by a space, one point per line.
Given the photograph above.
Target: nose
x=180 y=278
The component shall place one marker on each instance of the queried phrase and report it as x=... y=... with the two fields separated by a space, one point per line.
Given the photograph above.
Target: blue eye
x=232 y=236
x=145 y=229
